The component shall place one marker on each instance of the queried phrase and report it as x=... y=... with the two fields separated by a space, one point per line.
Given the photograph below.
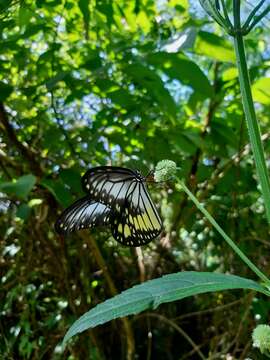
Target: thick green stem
x=252 y=123
x=229 y=241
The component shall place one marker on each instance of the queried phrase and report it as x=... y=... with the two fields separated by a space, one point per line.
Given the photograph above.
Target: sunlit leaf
x=214 y=47
x=261 y=91
x=178 y=66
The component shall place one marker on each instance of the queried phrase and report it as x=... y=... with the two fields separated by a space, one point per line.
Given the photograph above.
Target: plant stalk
x=252 y=123
x=229 y=241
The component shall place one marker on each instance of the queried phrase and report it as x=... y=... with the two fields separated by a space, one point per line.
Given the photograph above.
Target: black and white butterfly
x=116 y=197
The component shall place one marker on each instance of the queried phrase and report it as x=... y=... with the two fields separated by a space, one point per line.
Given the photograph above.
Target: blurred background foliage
x=99 y=82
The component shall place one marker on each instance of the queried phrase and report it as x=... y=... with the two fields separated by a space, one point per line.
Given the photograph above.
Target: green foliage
x=127 y=83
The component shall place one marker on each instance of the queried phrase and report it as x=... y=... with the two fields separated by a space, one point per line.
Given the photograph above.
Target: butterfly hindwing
x=84 y=213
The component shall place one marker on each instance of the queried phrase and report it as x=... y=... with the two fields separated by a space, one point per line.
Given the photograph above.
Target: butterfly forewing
x=84 y=213
x=109 y=185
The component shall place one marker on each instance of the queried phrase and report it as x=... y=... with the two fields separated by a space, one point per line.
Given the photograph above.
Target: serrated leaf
x=21 y=187
x=155 y=292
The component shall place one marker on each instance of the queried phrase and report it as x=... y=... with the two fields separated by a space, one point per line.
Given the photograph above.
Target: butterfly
x=116 y=197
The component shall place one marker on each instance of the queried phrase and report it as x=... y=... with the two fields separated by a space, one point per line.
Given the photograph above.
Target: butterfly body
x=116 y=197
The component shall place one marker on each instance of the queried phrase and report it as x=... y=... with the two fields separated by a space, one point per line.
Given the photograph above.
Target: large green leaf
x=21 y=187
x=214 y=47
x=180 y=67
x=72 y=178
x=155 y=87
x=155 y=292
x=59 y=191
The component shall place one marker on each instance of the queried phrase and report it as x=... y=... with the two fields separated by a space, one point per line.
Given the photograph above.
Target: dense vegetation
x=129 y=83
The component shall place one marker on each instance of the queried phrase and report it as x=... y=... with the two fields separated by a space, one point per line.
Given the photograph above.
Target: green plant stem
x=229 y=241
x=252 y=123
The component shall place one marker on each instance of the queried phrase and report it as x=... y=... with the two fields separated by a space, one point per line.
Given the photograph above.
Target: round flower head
x=165 y=170
x=261 y=338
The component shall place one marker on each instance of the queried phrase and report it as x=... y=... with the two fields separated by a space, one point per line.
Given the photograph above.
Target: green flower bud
x=261 y=338
x=165 y=170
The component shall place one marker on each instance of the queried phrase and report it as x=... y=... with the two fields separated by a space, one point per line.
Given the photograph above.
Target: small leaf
x=21 y=187
x=155 y=292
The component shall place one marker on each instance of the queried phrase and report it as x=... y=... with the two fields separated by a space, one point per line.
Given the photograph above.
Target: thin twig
x=140 y=261
x=61 y=127
x=90 y=241
x=180 y=330
x=208 y=311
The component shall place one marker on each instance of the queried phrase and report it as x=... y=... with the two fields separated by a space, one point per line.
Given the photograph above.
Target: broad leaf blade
x=155 y=87
x=180 y=67
x=155 y=292
x=59 y=191
x=21 y=187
